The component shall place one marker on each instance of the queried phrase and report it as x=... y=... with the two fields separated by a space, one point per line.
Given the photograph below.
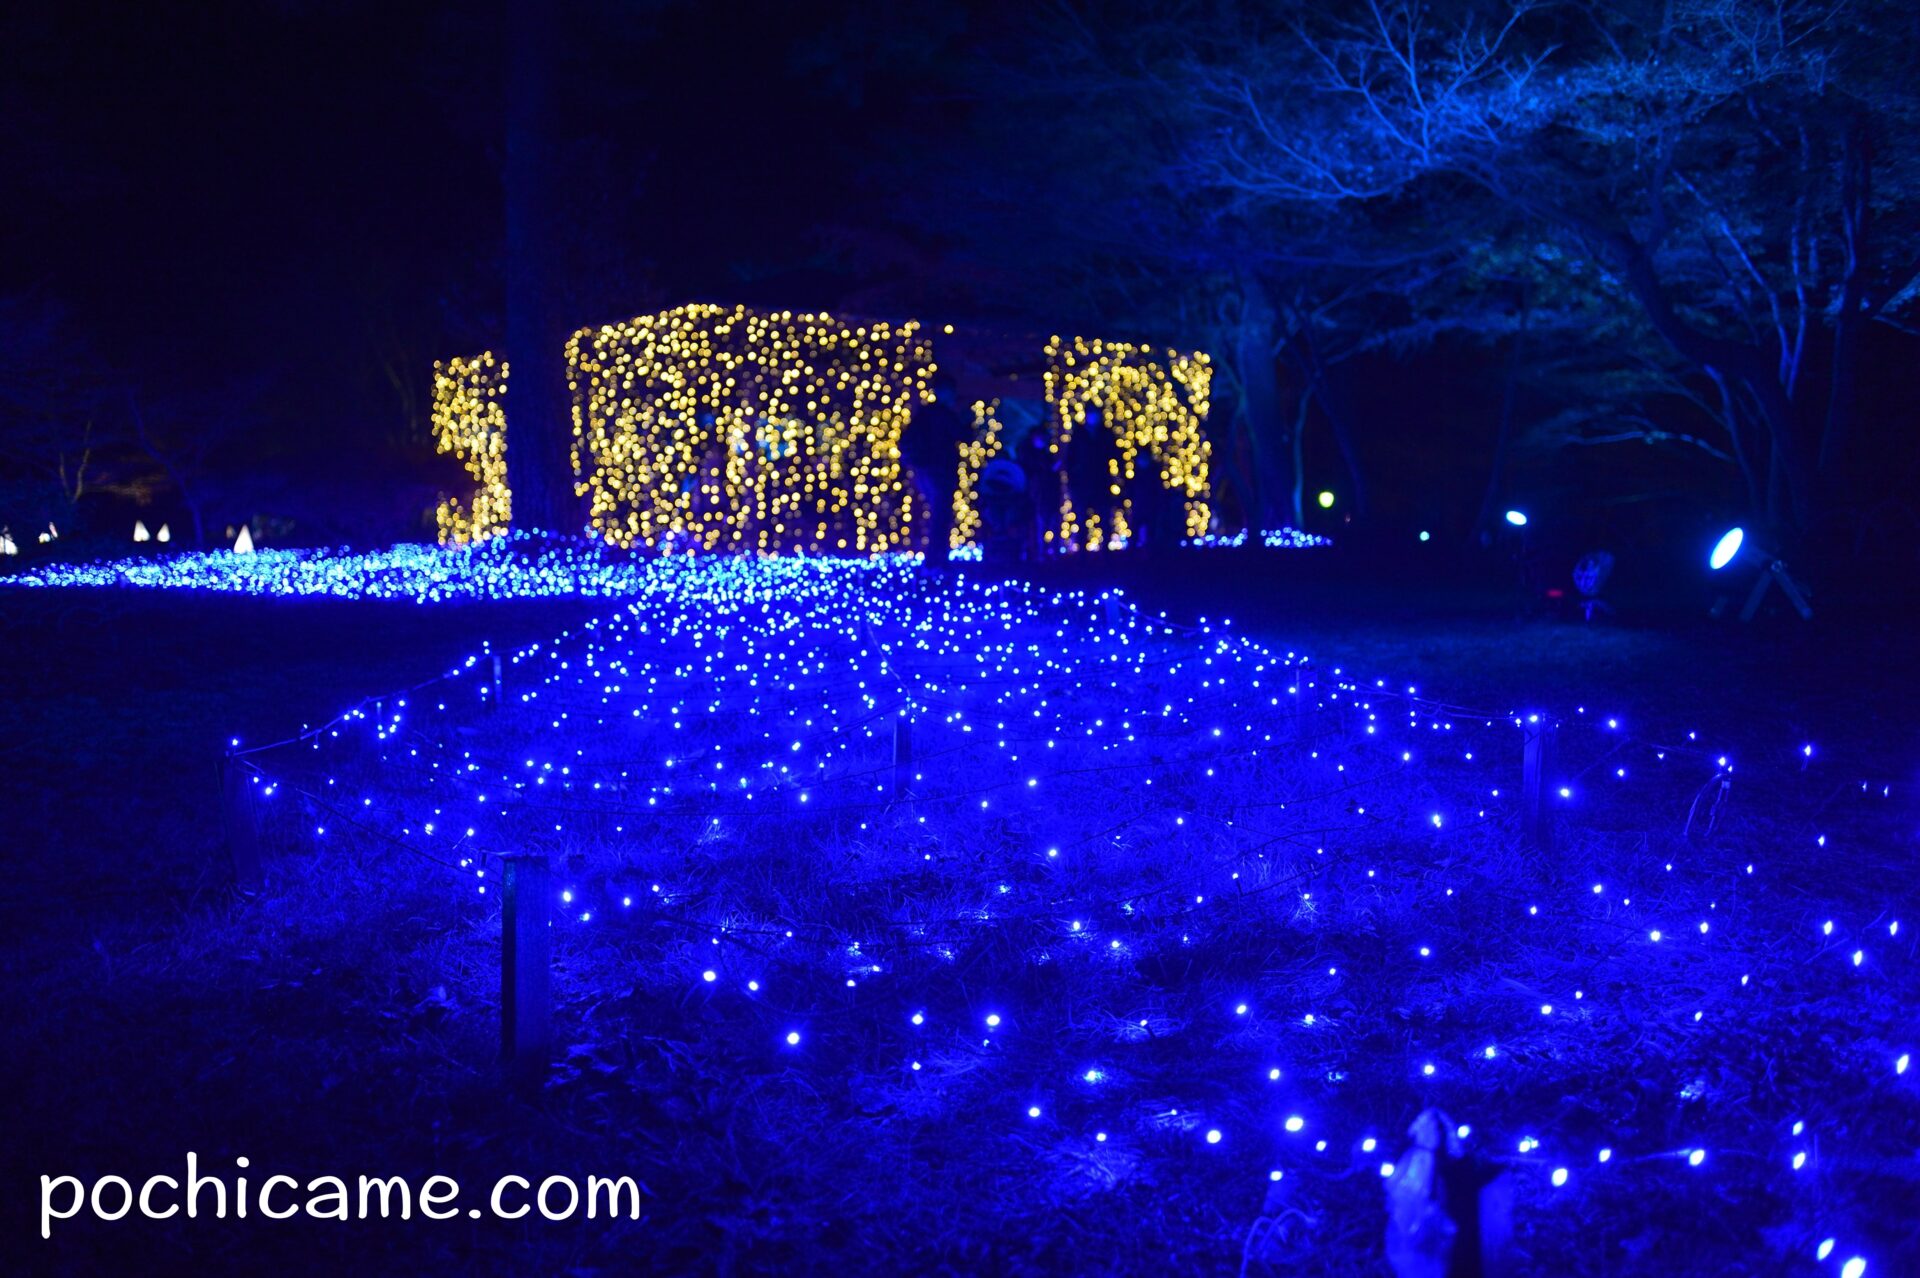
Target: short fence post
x=526 y=949
x=1536 y=824
x=496 y=681
x=243 y=826
x=902 y=753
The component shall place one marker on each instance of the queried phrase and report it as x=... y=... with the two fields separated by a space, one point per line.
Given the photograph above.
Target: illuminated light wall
x=1155 y=406
x=963 y=538
x=470 y=421
x=726 y=429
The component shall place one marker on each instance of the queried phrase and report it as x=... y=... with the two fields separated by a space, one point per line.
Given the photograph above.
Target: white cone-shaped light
x=243 y=544
x=140 y=532
x=164 y=534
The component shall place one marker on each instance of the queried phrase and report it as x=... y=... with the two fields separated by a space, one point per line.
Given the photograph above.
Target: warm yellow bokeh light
x=725 y=429
x=715 y=428
x=964 y=536
x=1153 y=409
x=469 y=420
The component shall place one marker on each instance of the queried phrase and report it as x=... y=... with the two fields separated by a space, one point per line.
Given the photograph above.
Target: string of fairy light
x=514 y=566
x=1149 y=787
x=1153 y=411
x=469 y=420
x=985 y=444
x=1273 y=539
x=714 y=428
x=759 y=694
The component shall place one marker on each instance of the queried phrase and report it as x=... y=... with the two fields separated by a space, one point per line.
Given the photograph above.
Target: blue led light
x=718 y=696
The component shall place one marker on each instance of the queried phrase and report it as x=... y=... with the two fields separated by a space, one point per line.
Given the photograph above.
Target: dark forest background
x=1644 y=269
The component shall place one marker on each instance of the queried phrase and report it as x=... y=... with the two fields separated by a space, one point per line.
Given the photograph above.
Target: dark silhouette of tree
x=538 y=419
x=183 y=438
x=1072 y=177
x=1739 y=174
x=54 y=427
x=74 y=428
x=577 y=228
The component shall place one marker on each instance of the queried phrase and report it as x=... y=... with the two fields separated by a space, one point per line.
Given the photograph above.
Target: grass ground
x=344 y=1020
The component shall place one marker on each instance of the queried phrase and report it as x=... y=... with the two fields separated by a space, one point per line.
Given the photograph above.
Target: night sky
x=285 y=212
x=310 y=191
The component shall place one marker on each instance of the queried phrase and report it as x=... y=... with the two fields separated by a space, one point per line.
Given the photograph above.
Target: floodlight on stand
x=1726 y=548
x=1735 y=546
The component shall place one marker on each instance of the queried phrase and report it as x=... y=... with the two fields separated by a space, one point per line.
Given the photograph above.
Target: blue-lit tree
x=1731 y=175
x=1095 y=219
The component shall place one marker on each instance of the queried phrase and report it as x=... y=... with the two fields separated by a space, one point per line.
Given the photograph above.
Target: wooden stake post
x=526 y=960
x=242 y=823
x=1536 y=823
x=902 y=753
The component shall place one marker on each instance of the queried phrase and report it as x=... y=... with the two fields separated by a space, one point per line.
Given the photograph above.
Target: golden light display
x=726 y=429
x=715 y=428
x=1154 y=407
x=470 y=421
x=964 y=535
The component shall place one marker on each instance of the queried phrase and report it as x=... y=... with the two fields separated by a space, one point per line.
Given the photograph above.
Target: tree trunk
x=1227 y=421
x=1260 y=414
x=1843 y=395
x=539 y=415
x=1746 y=365
x=1736 y=435
x=1314 y=373
x=1297 y=491
x=1497 y=473
x=159 y=455
x=1313 y=367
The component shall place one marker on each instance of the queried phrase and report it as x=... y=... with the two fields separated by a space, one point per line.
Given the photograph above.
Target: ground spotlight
x=1325 y=499
x=1518 y=518
x=1726 y=548
x=1735 y=547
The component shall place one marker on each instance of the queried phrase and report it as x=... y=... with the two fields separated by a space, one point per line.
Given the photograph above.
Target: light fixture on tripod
x=1734 y=547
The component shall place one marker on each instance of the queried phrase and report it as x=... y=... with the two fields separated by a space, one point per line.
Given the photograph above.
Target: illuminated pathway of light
x=1101 y=789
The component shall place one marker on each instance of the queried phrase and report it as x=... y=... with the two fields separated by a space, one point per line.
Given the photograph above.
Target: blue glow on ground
x=1096 y=787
